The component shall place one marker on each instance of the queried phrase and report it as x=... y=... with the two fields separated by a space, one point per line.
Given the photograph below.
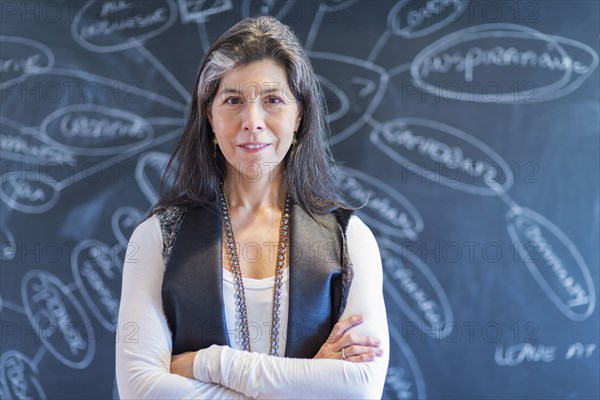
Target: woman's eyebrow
x=238 y=91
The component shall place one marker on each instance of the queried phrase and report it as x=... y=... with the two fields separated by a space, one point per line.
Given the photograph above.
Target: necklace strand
x=240 y=293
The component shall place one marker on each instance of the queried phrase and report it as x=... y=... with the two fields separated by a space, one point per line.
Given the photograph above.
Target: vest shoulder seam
x=170 y=220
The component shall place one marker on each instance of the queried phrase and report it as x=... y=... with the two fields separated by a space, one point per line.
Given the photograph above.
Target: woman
x=251 y=277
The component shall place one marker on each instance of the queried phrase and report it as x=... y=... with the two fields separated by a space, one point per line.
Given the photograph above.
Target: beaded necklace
x=240 y=294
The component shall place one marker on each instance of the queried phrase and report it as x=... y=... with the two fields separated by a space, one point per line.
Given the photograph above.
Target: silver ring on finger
x=343 y=353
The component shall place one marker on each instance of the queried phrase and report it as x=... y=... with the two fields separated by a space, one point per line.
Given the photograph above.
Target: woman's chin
x=256 y=168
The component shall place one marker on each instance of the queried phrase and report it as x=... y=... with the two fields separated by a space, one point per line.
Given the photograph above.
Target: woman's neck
x=254 y=194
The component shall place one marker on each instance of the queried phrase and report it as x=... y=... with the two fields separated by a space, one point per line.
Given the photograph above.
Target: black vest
x=320 y=274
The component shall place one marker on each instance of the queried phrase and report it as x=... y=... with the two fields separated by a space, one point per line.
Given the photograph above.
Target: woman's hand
x=183 y=364
x=357 y=348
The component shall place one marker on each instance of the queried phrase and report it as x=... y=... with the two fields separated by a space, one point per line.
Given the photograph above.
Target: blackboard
x=471 y=126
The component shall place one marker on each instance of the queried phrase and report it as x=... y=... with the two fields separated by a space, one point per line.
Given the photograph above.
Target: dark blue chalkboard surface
x=471 y=126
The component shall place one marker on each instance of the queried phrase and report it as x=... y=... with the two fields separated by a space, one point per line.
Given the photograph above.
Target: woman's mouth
x=254 y=148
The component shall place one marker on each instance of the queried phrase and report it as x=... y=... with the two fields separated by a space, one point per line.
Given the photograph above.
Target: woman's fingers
x=357 y=348
x=343 y=325
x=357 y=353
x=369 y=355
x=354 y=339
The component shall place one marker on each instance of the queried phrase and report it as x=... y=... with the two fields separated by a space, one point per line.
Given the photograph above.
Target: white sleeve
x=264 y=376
x=143 y=340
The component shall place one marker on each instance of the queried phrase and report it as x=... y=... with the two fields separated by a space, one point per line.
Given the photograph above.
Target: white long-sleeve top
x=144 y=344
x=259 y=307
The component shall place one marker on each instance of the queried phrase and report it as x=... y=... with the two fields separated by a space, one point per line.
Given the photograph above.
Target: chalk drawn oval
x=19 y=377
x=201 y=13
x=98 y=278
x=331 y=91
x=30 y=193
x=360 y=83
x=404 y=379
x=431 y=156
x=554 y=262
x=416 y=290
x=148 y=173
x=124 y=220
x=389 y=211
x=105 y=27
x=409 y=19
x=8 y=246
x=444 y=59
x=20 y=143
x=102 y=130
x=22 y=57
x=58 y=318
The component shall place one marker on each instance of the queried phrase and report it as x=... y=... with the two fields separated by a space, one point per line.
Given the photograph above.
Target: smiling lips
x=254 y=147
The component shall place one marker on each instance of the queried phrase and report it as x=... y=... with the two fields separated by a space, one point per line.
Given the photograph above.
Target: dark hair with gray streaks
x=310 y=173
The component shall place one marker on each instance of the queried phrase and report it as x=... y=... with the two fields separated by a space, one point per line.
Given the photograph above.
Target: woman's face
x=254 y=105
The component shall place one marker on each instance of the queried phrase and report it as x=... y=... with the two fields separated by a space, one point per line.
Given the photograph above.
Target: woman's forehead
x=263 y=75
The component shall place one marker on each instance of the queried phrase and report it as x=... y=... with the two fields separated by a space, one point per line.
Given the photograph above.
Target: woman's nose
x=253 y=118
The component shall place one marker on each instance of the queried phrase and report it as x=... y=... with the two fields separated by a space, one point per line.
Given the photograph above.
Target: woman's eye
x=274 y=100
x=232 y=100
